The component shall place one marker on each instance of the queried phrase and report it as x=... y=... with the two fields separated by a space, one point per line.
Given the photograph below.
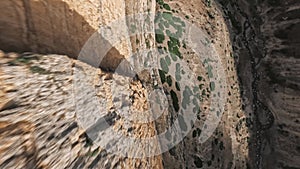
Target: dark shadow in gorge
x=265 y=39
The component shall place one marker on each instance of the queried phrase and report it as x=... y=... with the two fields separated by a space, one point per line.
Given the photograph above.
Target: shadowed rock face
x=266 y=37
x=57 y=27
x=280 y=90
x=45 y=26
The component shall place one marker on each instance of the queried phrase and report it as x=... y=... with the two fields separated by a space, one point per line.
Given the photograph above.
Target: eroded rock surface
x=42 y=130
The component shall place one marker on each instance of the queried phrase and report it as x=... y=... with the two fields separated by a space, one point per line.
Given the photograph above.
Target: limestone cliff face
x=228 y=146
x=54 y=26
x=64 y=27
x=40 y=126
x=61 y=27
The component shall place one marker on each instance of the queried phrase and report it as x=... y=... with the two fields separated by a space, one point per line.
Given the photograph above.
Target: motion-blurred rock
x=6 y=103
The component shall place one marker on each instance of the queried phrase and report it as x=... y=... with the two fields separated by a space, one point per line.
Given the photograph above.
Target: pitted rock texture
x=228 y=146
x=42 y=129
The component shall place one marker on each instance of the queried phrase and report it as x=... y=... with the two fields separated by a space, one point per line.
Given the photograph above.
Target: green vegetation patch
x=176 y=26
x=160 y=2
x=169 y=33
x=173 y=49
x=168 y=60
x=196 y=109
x=177 y=72
x=174 y=101
x=162 y=76
x=209 y=71
x=187 y=93
x=212 y=86
x=160 y=50
x=166 y=24
x=132 y=28
x=195 y=89
x=174 y=41
x=161 y=26
x=23 y=60
x=177 y=19
x=158 y=18
x=167 y=7
x=182 y=124
x=164 y=65
x=179 y=33
x=177 y=85
x=159 y=36
x=169 y=80
x=26 y=59
x=174 y=57
x=167 y=16
x=39 y=70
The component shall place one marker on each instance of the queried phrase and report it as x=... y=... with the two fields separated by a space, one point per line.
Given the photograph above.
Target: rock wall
x=228 y=145
x=265 y=37
x=54 y=26
x=61 y=27
x=40 y=126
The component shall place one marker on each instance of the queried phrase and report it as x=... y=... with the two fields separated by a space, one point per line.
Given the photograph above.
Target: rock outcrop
x=42 y=130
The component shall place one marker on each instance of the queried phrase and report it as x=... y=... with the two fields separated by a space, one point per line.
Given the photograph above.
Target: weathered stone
x=6 y=104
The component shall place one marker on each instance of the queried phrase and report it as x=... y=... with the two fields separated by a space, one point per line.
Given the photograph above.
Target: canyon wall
x=265 y=38
x=257 y=43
